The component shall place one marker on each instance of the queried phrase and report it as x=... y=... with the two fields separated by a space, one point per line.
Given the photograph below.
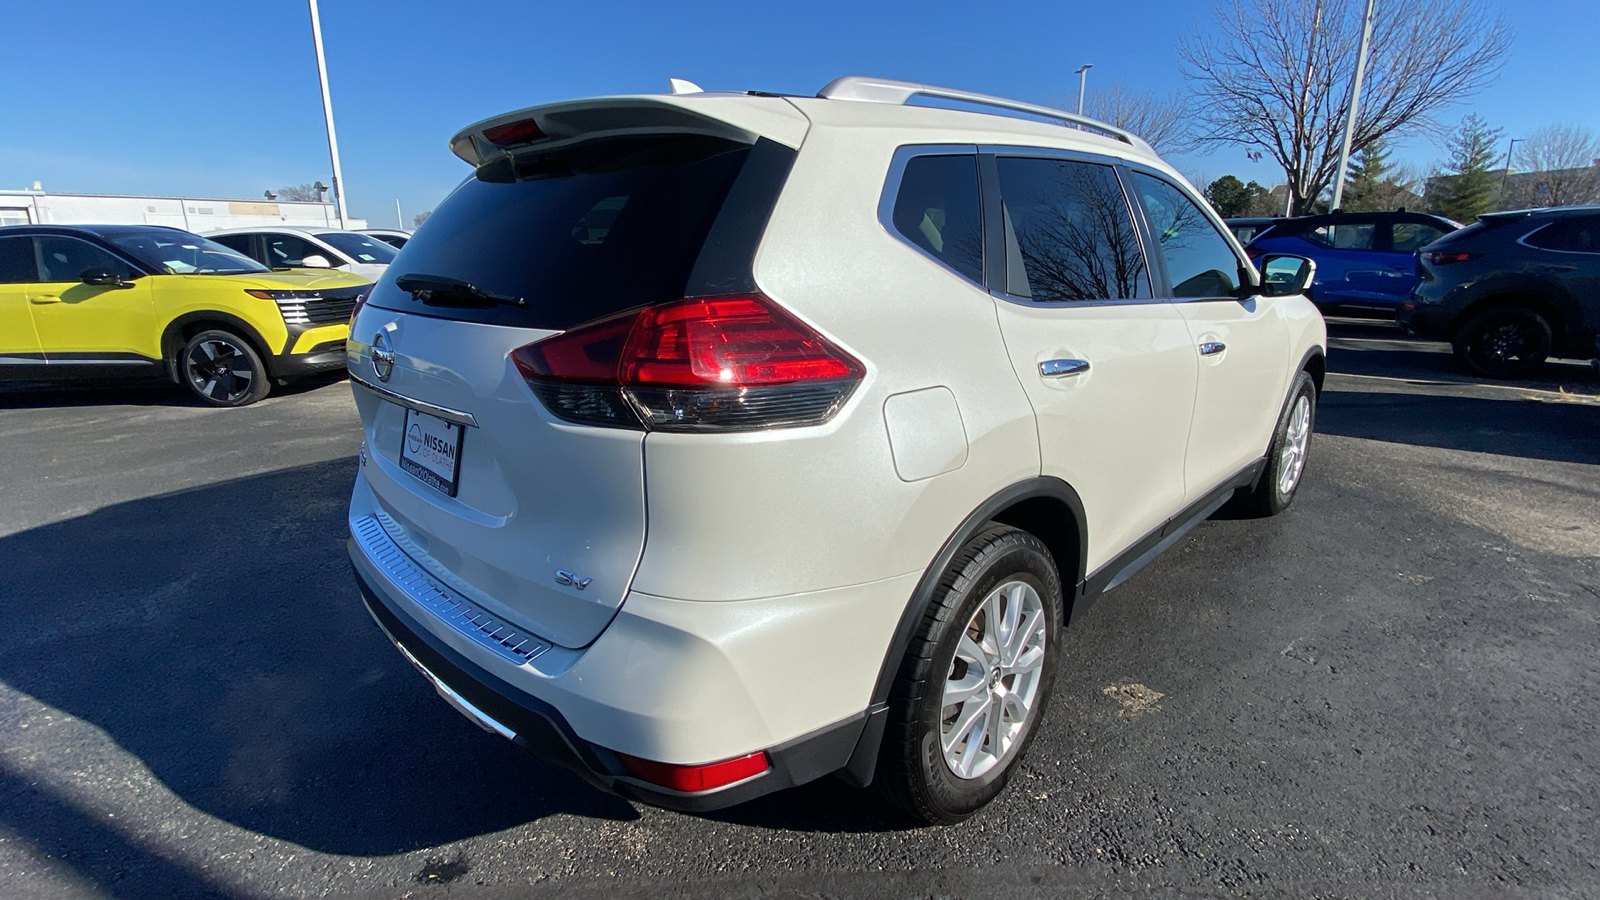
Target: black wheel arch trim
x=172 y=340
x=863 y=760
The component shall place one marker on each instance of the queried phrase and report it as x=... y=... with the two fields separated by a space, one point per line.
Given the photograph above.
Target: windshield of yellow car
x=185 y=254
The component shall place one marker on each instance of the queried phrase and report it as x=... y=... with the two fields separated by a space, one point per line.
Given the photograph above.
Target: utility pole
x=1083 y=77
x=1507 y=176
x=399 y=220
x=1355 y=102
x=327 y=113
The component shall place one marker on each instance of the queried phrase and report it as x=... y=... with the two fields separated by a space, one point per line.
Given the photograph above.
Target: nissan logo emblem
x=382 y=357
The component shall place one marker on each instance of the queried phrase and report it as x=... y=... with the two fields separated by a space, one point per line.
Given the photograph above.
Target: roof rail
x=883 y=90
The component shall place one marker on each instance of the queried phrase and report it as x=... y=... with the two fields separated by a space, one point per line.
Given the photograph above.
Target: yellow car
x=97 y=301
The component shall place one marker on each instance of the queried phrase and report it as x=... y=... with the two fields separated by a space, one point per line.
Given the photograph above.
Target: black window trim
x=903 y=156
x=1555 y=221
x=994 y=234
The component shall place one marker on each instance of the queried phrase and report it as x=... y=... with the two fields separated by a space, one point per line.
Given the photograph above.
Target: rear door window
x=16 y=261
x=1343 y=236
x=1200 y=261
x=1409 y=237
x=607 y=226
x=937 y=210
x=1069 y=233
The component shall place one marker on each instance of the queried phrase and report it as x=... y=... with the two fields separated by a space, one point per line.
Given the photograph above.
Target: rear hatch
x=540 y=520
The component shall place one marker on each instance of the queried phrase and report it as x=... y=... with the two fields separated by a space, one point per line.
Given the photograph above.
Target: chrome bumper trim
x=442 y=412
x=466 y=617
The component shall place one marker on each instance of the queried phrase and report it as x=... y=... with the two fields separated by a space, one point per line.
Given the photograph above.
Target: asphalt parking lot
x=1393 y=690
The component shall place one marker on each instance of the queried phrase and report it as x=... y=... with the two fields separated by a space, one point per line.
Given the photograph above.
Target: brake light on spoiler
x=725 y=363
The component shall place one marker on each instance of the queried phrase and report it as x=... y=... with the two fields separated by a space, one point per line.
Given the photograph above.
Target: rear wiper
x=437 y=290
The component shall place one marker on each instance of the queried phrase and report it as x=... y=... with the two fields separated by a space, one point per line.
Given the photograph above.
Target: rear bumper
x=541 y=729
x=681 y=682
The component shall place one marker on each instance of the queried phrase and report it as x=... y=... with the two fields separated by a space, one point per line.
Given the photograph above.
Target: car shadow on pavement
x=1560 y=431
x=216 y=635
x=133 y=392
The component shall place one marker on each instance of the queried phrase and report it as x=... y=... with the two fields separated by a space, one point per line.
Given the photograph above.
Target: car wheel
x=975 y=679
x=222 y=369
x=1286 y=456
x=1504 y=342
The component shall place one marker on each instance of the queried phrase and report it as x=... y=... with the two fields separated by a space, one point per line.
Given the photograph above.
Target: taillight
x=690 y=779
x=730 y=363
x=1446 y=257
x=1254 y=252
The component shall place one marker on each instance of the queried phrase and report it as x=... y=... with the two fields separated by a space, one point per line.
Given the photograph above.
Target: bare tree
x=305 y=193
x=1567 y=160
x=1161 y=119
x=419 y=218
x=1275 y=75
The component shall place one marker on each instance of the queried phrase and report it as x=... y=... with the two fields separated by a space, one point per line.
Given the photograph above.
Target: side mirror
x=316 y=261
x=1283 y=275
x=103 y=278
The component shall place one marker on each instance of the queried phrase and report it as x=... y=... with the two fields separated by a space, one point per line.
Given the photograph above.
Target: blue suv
x=1366 y=262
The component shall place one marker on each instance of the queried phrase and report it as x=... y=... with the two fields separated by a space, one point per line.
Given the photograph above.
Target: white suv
x=718 y=442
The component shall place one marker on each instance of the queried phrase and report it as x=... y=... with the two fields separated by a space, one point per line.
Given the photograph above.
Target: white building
x=189 y=213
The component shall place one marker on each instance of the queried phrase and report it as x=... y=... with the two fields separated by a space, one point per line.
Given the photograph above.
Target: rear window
x=600 y=228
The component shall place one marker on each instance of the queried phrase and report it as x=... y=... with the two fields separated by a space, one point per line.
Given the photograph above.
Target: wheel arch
x=1046 y=507
x=181 y=329
x=1554 y=309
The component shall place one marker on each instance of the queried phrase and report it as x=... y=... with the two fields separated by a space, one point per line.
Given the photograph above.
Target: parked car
x=311 y=248
x=1245 y=228
x=112 y=301
x=1511 y=289
x=1366 y=262
x=782 y=436
x=390 y=236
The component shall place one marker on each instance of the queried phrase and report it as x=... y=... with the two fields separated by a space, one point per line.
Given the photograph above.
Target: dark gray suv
x=1512 y=289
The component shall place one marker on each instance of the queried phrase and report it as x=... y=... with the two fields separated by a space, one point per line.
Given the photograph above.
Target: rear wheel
x=221 y=369
x=1504 y=342
x=976 y=678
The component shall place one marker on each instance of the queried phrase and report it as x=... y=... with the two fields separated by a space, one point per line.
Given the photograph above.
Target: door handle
x=1212 y=348
x=1063 y=368
x=44 y=298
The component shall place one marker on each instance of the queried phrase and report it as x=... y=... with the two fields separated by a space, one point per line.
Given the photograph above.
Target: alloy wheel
x=994 y=679
x=1292 y=457
x=219 y=371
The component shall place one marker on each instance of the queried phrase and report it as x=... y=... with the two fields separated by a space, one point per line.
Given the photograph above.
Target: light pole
x=1083 y=76
x=1355 y=101
x=1507 y=176
x=327 y=112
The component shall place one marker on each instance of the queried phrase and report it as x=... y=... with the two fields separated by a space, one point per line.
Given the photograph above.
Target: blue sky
x=220 y=98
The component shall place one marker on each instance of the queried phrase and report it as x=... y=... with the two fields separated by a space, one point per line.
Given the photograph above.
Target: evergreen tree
x=1228 y=196
x=1365 y=188
x=1467 y=190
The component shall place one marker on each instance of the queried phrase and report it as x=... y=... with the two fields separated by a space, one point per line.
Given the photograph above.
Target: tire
x=1504 y=342
x=930 y=766
x=221 y=369
x=1286 y=456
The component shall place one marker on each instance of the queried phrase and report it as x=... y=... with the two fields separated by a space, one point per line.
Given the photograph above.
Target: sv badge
x=571 y=579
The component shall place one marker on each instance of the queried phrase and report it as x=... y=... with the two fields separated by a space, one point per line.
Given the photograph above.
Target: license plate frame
x=430 y=447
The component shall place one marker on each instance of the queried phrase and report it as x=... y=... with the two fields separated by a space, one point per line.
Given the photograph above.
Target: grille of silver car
x=459 y=613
